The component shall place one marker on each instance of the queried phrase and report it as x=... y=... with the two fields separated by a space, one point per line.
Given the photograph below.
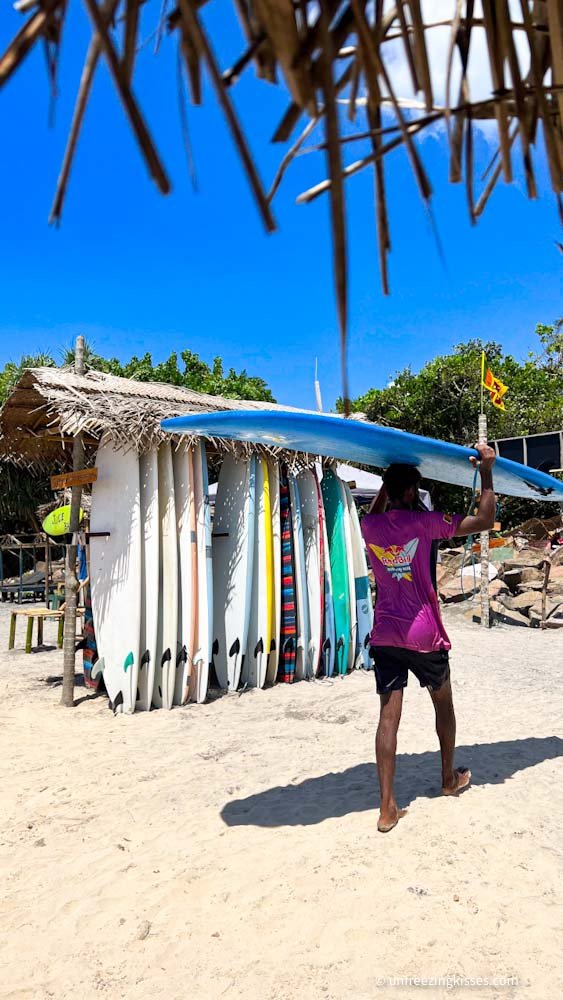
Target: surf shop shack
x=261 y=579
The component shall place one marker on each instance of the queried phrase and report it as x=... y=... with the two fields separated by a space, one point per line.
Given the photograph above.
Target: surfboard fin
x=325 y=651
x=339 y=647
x=259 y=647
x=166 y=657
x=97 y=668
x=235 y=648
x=145 y=658
x=117 y=704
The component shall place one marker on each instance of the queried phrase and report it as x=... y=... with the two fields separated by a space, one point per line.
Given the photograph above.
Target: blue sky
x=138 y=272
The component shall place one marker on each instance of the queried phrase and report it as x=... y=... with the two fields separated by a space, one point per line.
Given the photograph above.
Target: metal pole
x=484 y=539
x=71 y=582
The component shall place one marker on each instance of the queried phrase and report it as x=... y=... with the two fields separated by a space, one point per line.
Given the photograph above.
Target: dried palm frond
x=323 y=53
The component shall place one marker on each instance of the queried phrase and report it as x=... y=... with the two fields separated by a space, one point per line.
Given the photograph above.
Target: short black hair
x=398 y=477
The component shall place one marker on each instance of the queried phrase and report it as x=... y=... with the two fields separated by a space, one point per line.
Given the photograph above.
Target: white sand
x=229 y=850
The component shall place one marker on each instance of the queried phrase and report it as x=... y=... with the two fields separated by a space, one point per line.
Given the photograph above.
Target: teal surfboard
x=370 y=444
x=334 y=514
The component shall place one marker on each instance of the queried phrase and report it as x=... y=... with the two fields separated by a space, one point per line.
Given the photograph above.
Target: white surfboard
x=351 y=579
x=329 y=627
x=148 y=465
x=115 y=572
x=259 y=631
x=309 y=497
x=301 y=595
x=273 y=659
x=167 y=641
x=184 y=500
x=233 y=549
x=364 y=607
x=204 y=638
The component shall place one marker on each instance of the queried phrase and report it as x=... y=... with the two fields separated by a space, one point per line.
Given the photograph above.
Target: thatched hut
x=50 y=406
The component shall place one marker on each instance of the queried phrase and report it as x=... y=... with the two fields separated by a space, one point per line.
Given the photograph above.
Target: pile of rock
x=527 y=588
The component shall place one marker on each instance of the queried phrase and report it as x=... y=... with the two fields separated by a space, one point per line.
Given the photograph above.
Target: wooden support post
x=20 y=592
x=71 y=582
x=546 y=572
x=29 y=634
x=12 y=636
x=484 y=539
x=40 y=631
x=47 y=572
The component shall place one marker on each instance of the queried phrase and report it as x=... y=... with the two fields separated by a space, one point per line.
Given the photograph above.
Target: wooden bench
x=39 y=614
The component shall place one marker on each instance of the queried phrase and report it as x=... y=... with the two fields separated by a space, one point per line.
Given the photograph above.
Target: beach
x=230 y=849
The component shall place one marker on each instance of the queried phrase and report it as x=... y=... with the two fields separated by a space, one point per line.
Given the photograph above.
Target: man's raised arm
x=484 y=519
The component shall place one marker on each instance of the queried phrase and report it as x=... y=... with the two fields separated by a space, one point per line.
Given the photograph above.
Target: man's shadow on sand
x=356 y=789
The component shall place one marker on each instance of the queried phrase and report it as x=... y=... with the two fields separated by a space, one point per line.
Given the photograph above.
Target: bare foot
x=458 y=782
x=388 y=818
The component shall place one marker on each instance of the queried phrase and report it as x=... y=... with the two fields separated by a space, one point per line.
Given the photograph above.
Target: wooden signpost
x=71 y=583
x=79 y=478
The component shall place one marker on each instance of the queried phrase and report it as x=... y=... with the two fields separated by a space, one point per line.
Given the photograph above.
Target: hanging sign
x=80 y=478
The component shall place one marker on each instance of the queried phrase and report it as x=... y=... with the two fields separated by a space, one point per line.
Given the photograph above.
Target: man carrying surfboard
x=409 y=633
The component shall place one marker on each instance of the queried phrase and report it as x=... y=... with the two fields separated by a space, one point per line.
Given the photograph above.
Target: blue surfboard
x=359 y=441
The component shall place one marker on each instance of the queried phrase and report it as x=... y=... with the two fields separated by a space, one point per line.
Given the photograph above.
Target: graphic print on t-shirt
x=397 y=559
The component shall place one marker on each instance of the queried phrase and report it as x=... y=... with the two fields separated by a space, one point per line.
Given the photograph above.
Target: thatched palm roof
x=326 y=52
x=50 y=405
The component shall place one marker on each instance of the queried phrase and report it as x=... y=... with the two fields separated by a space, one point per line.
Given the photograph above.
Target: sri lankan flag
x=495 y=387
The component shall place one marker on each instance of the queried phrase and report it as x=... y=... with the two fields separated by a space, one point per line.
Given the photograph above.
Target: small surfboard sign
x=58 y=521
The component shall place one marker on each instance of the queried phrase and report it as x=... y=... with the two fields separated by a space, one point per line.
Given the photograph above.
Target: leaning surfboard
x=184 y=501
x=167 y=637
x=351 y=585
x=233 y=550
x=301 y=595
x=329 y=640
x=274 y=481
x=309 y=497
x=362 y=593
x=334 y=513
x=259 y=628
x=359 y=441
x=288 y=611
x=149 y=576
x=115 y=572
x=202 y=654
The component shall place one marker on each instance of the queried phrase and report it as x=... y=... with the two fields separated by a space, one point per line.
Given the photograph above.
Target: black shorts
x=392 y=665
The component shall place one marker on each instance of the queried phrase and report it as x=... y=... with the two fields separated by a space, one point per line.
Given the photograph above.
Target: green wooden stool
x=39 y=614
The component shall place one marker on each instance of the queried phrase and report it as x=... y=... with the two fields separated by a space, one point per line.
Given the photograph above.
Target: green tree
x=189 y=371
x=13 y=371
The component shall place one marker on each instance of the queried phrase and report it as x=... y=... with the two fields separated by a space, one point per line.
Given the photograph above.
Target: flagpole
x=484 y=539
x=482 y=378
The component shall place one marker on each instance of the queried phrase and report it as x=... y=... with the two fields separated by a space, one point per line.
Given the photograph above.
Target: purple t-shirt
x=399 y=544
